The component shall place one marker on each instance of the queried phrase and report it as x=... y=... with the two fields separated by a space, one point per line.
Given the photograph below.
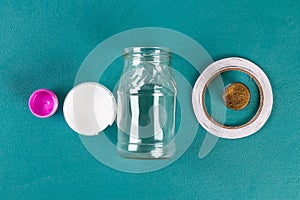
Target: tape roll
x=265 y=91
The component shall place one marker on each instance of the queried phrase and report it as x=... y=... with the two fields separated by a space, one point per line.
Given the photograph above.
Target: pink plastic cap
x=43 y=103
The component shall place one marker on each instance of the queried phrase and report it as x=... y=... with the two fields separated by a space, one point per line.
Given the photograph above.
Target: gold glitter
x=236 y=96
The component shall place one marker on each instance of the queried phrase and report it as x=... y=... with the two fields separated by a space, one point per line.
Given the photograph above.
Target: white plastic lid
x=89 y=108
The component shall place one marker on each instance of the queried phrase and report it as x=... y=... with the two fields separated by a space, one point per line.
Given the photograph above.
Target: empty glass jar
x=146 y=104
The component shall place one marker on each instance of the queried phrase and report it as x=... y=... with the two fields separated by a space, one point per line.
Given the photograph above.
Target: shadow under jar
x=146 y=104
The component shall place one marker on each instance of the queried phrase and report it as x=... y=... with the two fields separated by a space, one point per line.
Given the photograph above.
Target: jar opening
x=146 y=52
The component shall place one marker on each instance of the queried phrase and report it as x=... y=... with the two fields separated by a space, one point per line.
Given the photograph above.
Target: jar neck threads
x=137 y=55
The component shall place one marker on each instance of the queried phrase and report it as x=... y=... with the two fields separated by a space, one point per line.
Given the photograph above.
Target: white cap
x=89 y=108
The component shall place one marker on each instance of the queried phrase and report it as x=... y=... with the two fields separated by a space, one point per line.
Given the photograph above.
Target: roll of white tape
x=265 y=90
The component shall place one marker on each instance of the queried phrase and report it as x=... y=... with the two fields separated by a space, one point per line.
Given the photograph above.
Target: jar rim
x=144 y=49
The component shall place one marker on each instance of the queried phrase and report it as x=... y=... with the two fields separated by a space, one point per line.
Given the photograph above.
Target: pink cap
x=43 y=103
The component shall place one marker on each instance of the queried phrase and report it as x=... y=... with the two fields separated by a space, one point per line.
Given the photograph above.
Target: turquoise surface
x=42 y=45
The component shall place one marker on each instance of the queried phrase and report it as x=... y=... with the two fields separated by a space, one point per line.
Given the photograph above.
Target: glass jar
x=146 y=104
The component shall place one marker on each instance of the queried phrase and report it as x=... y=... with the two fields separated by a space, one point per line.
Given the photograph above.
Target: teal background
x=42 y=44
